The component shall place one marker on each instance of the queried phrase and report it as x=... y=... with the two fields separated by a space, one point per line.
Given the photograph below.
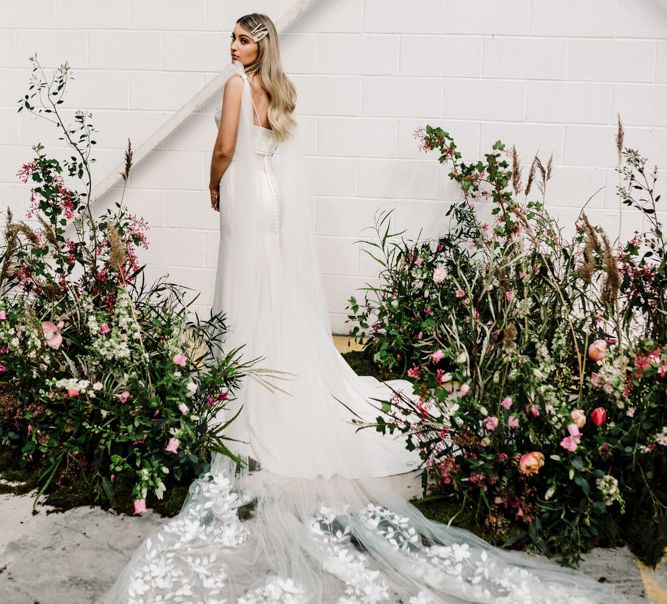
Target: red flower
x=599 y=416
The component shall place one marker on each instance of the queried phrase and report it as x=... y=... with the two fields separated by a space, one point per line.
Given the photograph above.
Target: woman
x=323 y=527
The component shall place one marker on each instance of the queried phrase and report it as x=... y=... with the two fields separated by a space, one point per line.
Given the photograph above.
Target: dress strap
x=245 y=77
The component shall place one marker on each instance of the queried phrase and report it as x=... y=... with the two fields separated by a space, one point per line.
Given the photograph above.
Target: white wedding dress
x=322 y=526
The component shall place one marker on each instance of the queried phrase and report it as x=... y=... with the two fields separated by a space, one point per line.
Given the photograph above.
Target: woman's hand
x=215 y=198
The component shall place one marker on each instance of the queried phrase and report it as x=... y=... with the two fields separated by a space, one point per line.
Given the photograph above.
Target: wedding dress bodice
x=265 y=142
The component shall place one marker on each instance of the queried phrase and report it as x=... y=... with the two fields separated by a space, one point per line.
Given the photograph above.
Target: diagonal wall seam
x=294 y=13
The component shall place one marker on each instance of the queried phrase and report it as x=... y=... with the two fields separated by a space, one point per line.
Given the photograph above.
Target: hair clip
x=259 y=32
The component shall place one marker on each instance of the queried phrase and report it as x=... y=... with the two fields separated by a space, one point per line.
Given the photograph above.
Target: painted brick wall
x=546 y=76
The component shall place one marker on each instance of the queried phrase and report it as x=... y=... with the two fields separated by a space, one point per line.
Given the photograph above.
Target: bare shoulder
x=234 y=85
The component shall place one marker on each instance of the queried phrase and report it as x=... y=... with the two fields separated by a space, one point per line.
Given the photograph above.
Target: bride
x=316 y=524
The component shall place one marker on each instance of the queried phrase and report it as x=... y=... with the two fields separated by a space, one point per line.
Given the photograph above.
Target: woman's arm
x=225 y=143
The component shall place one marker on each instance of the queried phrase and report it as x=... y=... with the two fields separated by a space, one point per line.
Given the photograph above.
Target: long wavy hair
x=267 y=66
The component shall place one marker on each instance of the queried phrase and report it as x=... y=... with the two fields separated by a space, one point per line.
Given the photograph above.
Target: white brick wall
x=546 y=76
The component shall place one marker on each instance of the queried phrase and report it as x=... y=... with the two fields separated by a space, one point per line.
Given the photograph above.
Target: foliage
x=538 y=363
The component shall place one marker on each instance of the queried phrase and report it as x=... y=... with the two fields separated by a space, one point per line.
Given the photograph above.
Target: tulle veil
x=324 y=527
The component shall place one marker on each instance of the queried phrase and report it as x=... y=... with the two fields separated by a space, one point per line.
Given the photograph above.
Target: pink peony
x=139 y=506
x=104 y=328
x=597 y=350
x=491 y=423
x=124 y=396
x=569 y=443
x=578 y=417
x=52 y=333
x=3 y=315
x=459 y=293
x=180 y=359
x=172 y=445
x=507 y=402
x=465 y=388
x=530 y=463
x=437 y=356
x=599 y=416
x=513 y=422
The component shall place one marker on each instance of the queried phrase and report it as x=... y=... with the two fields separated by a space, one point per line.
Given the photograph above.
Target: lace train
x=337 y=540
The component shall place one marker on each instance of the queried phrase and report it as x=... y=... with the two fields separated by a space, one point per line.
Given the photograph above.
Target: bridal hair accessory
x=259 y=32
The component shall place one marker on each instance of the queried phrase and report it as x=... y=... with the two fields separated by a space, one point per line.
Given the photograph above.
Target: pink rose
x=459 y=293
x=569 y=443
x=172 y=445
x=573 y=429
x=104 y=328
x=437 y=356
x=513 y=422
x=530 y=463
x=597 y=350
x=3 y=315
x=52 y=333
x=578 y=417
x=491 y=423
x=180 y=359
x=139 y=506
x=599 y=416
x=464 y=389
x=507 y=402
x=124 y=396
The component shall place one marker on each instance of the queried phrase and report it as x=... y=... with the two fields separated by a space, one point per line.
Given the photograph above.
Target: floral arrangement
x=539 y=363
x=103 y=379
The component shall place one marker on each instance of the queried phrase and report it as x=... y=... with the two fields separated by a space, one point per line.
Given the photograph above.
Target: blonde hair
x=267 y=67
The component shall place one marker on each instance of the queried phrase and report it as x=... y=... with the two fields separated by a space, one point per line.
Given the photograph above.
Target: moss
x=362 y=363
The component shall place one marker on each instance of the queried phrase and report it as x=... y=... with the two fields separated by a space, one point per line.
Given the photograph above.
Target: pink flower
x=437 y=356
x=180 y=359
x=29 y=428
x=3 y=369
x=569 y=443
x=513 y=422
x=595 y=379
x=509 y=296
x=104 y=328
x=502 y=457
x=491 y=423
x=459 y=293
x=464 y=389
x=419 y=261
x=139 y=506
x=428 y=311
x=414 y=372
x=530 y=463
x=578 y=417
x=599 y=416
x=3 y=315
x=52 y=333
x=72 y=392
x=662 y=370
x=507 y=402
x=420 y=335
x=522 y=275
x=597 y=350
x=573 y=429
x=475 y=313
x=172 y=445
x=124 y=396
x=533 y=410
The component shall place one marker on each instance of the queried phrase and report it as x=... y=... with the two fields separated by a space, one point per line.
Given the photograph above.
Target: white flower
x=98 y=386
x=439 y=274
x=192 y=388
x=183 y=408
